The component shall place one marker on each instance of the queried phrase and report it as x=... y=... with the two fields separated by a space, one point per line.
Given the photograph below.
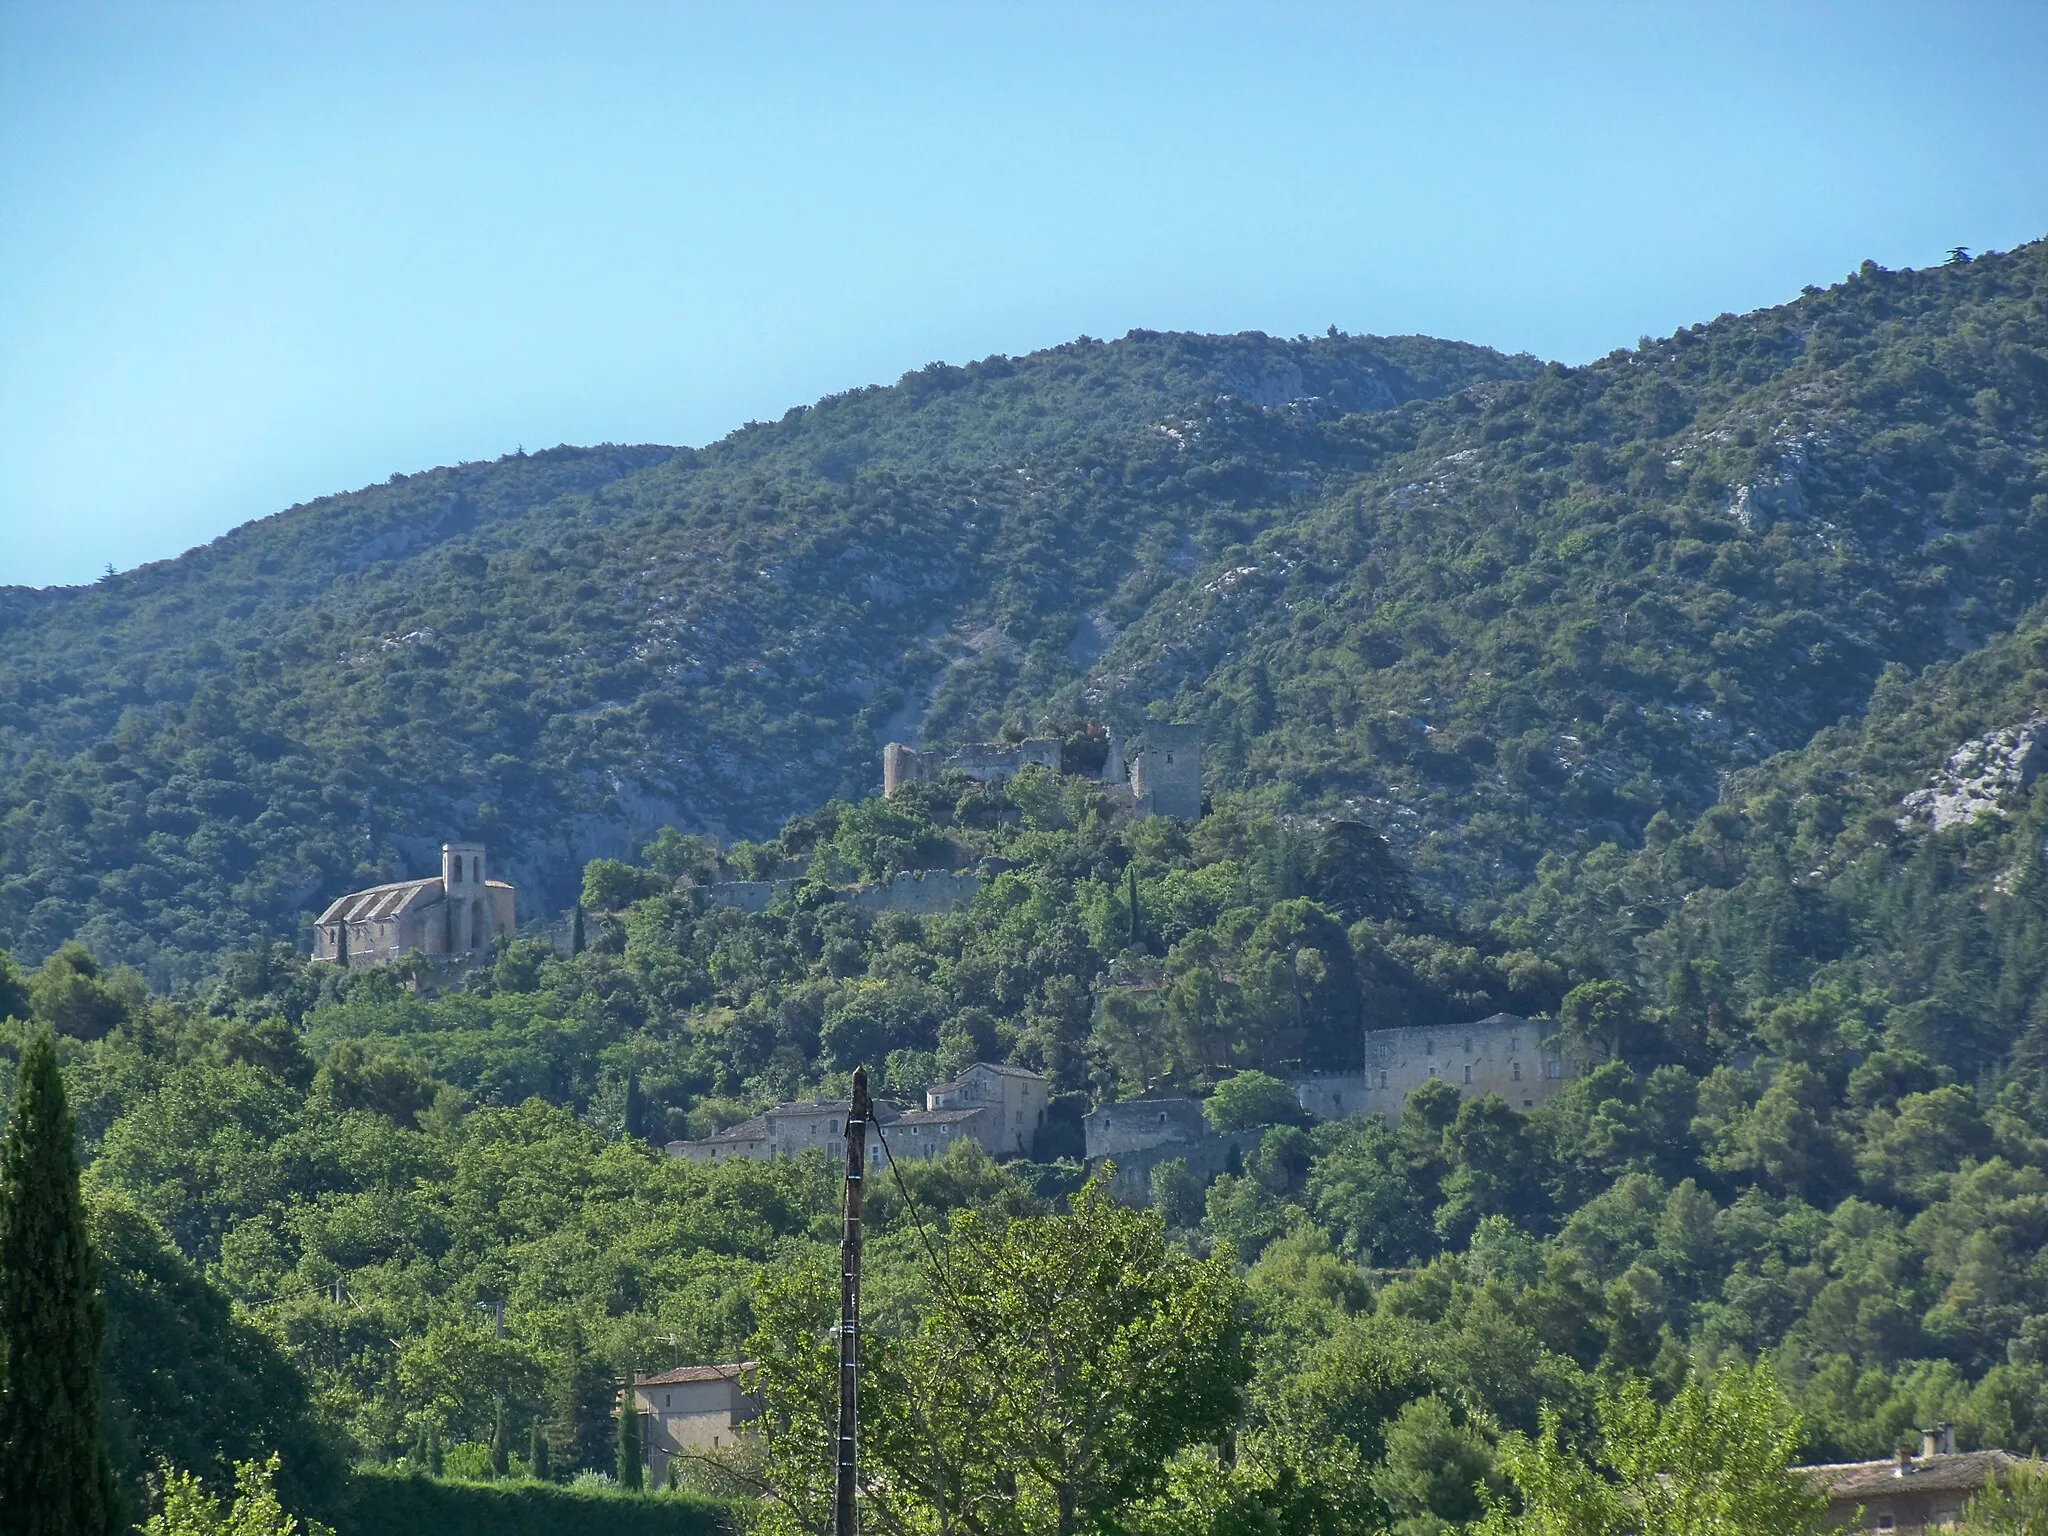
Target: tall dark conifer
x=55 y=1478
x=632 y=1475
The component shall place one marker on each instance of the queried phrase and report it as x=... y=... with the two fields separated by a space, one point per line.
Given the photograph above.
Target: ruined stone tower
x=1166 y=772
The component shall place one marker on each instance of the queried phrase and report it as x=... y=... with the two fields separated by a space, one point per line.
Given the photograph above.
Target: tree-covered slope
x=562 y=650
x=1520 y=618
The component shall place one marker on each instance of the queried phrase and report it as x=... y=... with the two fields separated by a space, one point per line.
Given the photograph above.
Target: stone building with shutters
x=691 y=1410
x=455 y=915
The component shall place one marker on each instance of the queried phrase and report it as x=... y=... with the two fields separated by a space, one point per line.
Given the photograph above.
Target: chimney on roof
x=1903 y=1466
x=1938 y=1441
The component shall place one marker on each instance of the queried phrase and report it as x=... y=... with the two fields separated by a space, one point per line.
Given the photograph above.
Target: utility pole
x=843 y=1523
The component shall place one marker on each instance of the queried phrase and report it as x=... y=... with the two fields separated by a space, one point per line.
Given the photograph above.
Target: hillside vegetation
x=1801 y=1176
x=559 y=651
x=1695 y=701
x=1494 y=609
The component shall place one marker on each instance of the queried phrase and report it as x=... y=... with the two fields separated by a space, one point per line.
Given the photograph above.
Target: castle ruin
x=1164 y=776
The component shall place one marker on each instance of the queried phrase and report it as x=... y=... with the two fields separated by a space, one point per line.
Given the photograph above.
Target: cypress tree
x=501 y=1443
x=55 y=1478
x=537 y=1453
x=576 y=931
x=631 y=1473
x=436 y=1464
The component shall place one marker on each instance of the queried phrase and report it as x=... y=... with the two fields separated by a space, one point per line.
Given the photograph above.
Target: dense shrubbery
x=1785 y=1176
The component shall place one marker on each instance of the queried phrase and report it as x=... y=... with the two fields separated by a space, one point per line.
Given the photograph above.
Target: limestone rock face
x=1979 y=773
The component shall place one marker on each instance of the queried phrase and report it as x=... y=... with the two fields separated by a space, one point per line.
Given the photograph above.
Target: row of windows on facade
x=1550 y=1069
x=1385 y=1049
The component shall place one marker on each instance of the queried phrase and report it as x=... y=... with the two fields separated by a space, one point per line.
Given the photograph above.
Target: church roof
x=384 y=901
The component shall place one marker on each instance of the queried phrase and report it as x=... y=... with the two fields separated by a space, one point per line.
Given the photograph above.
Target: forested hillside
x=1803 y=1169
x=564 y=650
x=1495 y=610
x=1695 y=701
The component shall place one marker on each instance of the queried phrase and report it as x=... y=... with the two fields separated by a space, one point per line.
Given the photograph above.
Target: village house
x=691 y=1410
x=452 y=915
x=1007 y=1106
x=1909 y=1494
x=1000 y=1107
x=1502 y=1054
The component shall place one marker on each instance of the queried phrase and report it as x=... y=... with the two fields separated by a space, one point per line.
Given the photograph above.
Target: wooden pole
x=843 y=1521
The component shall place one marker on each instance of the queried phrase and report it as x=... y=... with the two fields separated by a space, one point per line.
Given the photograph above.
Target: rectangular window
x=1553 y=1068
x=1518 y=1071
x=1468 y=1074
x=1383 y=1077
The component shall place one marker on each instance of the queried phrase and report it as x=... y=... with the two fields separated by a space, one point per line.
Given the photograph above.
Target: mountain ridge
x=1520 y=619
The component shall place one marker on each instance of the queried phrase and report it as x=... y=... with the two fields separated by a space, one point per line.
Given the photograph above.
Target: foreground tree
x=1715 y=1462
x=1063 y=1361
x=2020 y=1508
x=55 y=1477
x=187 y=1509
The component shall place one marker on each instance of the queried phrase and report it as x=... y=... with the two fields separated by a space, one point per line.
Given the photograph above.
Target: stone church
x=456 y=913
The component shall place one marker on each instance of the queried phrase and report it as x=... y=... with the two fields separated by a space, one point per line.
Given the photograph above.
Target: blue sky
x=251 y=254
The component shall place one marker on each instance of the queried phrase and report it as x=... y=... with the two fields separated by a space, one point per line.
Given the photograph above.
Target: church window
x=1383 y=1077
x=478 y=932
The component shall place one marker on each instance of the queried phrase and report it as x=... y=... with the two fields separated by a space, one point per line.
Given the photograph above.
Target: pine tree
x=631 y=1474
x=537 y=1453
x=55 y=1478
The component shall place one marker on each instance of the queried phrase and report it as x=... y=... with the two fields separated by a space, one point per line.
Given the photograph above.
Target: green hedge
x=401 y=1504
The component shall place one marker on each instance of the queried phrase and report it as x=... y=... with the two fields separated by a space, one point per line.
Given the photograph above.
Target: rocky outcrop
x=1979 y=773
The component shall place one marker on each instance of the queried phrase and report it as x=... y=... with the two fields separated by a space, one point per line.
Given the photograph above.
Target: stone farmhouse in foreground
x=1000 y=1107
x=1907 y=1493
x=690 y=1410
x=455 y=914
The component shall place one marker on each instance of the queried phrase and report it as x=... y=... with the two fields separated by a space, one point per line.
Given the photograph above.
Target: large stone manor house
x=454 y=914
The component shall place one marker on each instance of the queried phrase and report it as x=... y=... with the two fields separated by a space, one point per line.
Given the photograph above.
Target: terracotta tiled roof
x=683 y=1373
x=917 y=1117
x=986 y=1066
x=1959 y=1472
x=755 y=1129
